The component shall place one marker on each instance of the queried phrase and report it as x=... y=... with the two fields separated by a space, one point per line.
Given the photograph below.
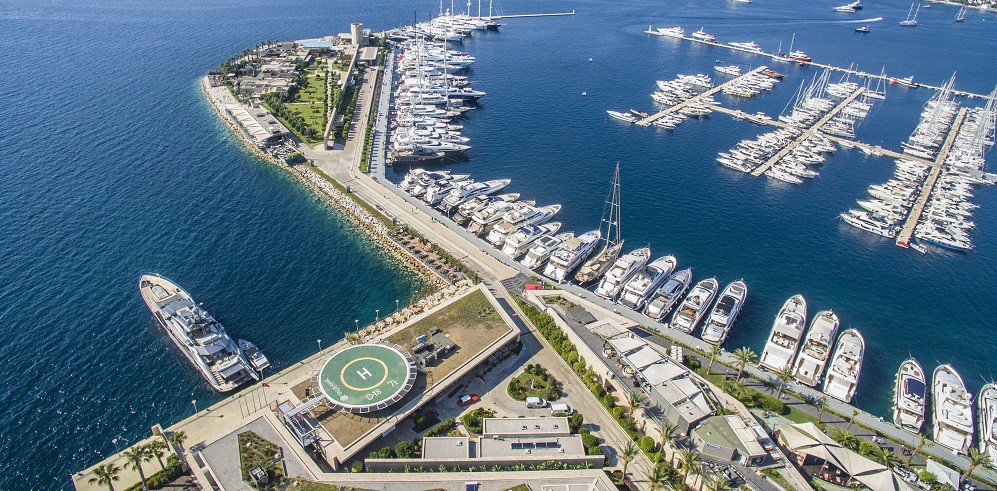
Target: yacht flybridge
x=952 y=410
x=846 y=366
x=519 y=242
x=643 y=284
x=520 y=217
x=622 y=270
x=543 y=247
x=784 y=341
x=695 y=306
x=725 y=312
x=910 y=396
x=816 y=349
x=665 y=298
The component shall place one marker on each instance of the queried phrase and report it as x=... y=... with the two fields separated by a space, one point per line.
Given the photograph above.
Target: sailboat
x=610 y=240
x=961 y=16
x=911 y=21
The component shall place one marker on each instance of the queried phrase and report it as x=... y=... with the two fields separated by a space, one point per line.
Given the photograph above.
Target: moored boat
x=725 y=312
x=695 y=306
x=643 y=284
x=987 y=403
x=570 y=255
x=846 y=366
x=909 y=396
x=952 y=410
x=784 y=340
x=816 y=349
x=621 y=272
x=543 y=247
x=665 y=298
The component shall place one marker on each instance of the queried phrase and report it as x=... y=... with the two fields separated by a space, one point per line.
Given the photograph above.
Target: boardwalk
x=806 y=134
x=903 y=240
x=652 y=118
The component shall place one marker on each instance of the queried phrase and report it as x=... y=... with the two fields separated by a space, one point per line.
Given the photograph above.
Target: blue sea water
x=113 y=165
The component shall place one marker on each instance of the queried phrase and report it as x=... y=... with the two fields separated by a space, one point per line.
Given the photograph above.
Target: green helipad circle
x=366 y=377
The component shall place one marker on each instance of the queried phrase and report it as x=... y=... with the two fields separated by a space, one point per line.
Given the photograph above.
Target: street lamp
x=319 y=341
x=377 y=315
x=358 y=324
x=396 y=305
x=194 y=402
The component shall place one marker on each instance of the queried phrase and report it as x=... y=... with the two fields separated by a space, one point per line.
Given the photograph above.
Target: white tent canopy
x=807 y=439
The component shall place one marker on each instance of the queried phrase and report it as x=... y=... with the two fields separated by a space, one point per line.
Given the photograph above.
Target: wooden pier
x=806 y=134
x=654 y=117
x=903 y=240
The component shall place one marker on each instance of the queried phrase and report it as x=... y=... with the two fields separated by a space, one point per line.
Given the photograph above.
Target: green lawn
x=311 y=101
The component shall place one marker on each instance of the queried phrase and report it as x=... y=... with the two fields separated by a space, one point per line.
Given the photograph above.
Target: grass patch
x=561 y=302
x=303 y=485
x=474 y=421
x=777 y=477
x=471 y=314
x=254 y=450
x=310 y=104
x=373 y=211
x=535 y=381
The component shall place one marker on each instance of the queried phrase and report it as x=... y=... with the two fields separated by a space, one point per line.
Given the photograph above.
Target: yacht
x=645 y=282
x=732 y=70
x=863 y=29
x=852 y=7
x=695 y=306
x=952 y=410
x=437 y=192
x=780 y=349
x=520 y=217
x=543 y=247
x=519 y=243
x=470 y=189
x=704 y=36
x=467 y=209
x=411 y=179
x=621 y=116
x=909 y=396
x=483 y=219
x=987 y=403
x=621 y=272
x=201 y=338
x=256 y=357
x=911 y=21
x=570 y=255
x=674 y=32
x=725 y=312
x=749 y=46
x=667 y=297
x=846 y=366
x=816 y=349
x=961 y=16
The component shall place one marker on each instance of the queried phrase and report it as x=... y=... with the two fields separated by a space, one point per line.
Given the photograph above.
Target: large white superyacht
x=543 y=247
x=570 y=255
x=621 y=271
x=520 y=242
x=483 y=219
x=725 y=312
x=846 y=366
x=198 y=335
x=695 y=306
x=816 y=349
x=468 y=190
x=667 y=297
x=467 y=209
x=520 y=217
x=987 y=402
x=784 y=341
x=952 y=410
x=644 y=283
x=909 y=396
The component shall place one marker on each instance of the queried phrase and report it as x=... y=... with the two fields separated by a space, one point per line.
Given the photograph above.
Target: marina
x=697 y=98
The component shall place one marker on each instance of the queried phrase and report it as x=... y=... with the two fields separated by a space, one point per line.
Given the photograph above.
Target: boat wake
x=862 y=21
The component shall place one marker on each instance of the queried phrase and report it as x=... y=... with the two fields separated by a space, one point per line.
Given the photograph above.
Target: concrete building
x=729 y=438
x=356 y=34
x=257 y=123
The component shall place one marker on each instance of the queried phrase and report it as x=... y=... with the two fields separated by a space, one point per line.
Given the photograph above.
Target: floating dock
x=903 y=240
x=654 y=117
x=807 y=134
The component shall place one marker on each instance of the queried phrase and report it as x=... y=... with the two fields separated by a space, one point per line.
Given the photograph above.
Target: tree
x=105 y=475
x=135 y=456
x=157 y=449
x=922 y=442
x=657 y=478
x=629 y=453
x=690 y=461
x=785 y=375
x=178 y=438
x=635 y=399
x=855 y=412
x=744 y=355
x=846 y=439
x=717 y=483
x=976 y=459
x=886 y=457
x=823 y=404
x=714 y=353
x=669 y=432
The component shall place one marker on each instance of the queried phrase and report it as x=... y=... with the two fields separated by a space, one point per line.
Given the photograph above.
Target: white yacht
x=411 y=179
x=200 y=338
x=470 y=189
x=748 y=46
x=621 y=272
x=702 y=35
x=952 y=410
x=846 y=366
x=816 y=349
x=725 y=312
x=987 y=403
x=437 y=192
x=731 y=70
x=909 y=396
x=622 y=116
x=483 y=219
x=467 y=209
x=780 y=349
x=695 y=306
x=256 y=358
x=637 y=291
x=570 y=255
x=673 y=32
x=520 y=217
x=667 y=296
x=543 y=247
x=519 y=243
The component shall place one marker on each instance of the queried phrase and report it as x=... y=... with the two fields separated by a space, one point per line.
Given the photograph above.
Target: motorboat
x=784 y=340
x=622 y=270
x=725 y=312
x=749 y=46
x=643 y=284
x=863 y=29
x=910 y=396
x=846 y=366
x=987 y=416
x=520 y=216
x=703 y=36
x=256 y=357
x=816 y=349
x=467 y=209
x=520 y=242
x=731 y=70
x=621 y=116
x=695 y=306
x=570 y=255
x=467 y=190
x=674 y=32
x=542 y=248
x=483 y=219
x=952 y=410
x=665 y=298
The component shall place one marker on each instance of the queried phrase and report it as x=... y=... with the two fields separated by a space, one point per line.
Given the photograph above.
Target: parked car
x=467 y=399
x=561 y=409
x=535 y=402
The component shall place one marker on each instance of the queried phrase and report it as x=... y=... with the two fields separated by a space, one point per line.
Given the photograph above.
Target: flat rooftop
x=448 y=447
x=525 y=426
x=730 y=432
x=554 y=446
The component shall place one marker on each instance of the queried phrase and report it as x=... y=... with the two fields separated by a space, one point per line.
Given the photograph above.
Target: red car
x=467 y=400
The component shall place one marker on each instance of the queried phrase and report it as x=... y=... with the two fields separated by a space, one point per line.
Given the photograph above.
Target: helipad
x=366 y=378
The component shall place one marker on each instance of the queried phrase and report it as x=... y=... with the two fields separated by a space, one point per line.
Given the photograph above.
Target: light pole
x=194 y=402
x=319 y=341
x=377 y=315
x=357 y=321
x=396 y=305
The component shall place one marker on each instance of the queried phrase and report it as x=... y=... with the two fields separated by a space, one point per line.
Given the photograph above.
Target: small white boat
x=256 y=357
x=910 y=396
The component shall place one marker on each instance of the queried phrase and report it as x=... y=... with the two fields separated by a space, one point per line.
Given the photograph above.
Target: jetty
x=652 y=118
x=520 y=16
x=903 y=239
x=808 y=133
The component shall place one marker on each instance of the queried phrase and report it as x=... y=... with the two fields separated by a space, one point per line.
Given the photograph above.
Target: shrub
x=648 y=445
x=443 y=429
x=384 y=453
x=473 y=420
x=357 y=466
x=405 y=450
x=927 y=477
x=617 y=413
x=575 y=422
x=591 y=444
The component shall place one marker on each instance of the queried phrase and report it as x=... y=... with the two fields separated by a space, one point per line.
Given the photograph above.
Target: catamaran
x=952 y=410
x=846 y=366
x=645 y=282
x=816 y=349
x=909 y=396
x=725 y=312
x=784 y=341
x=695 y=306
x=667 y=297
x=622 y=270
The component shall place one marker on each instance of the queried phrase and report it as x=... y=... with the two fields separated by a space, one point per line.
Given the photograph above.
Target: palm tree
x=855 y=412
x=669 y=432
x=744 y=355
x=785 y=375
x=846 y=438
x=714 y=353
x=690 y=461
x=135 y=456
x=886 y=457
x=157 y=449
x=629 y=453
x=922 y=442
x=718 y=483
x=823 y=404
x=736 y=388
x=976 y=459
x=635 y=399
x=105 y=474
x=178 y=438
x=657 y=478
